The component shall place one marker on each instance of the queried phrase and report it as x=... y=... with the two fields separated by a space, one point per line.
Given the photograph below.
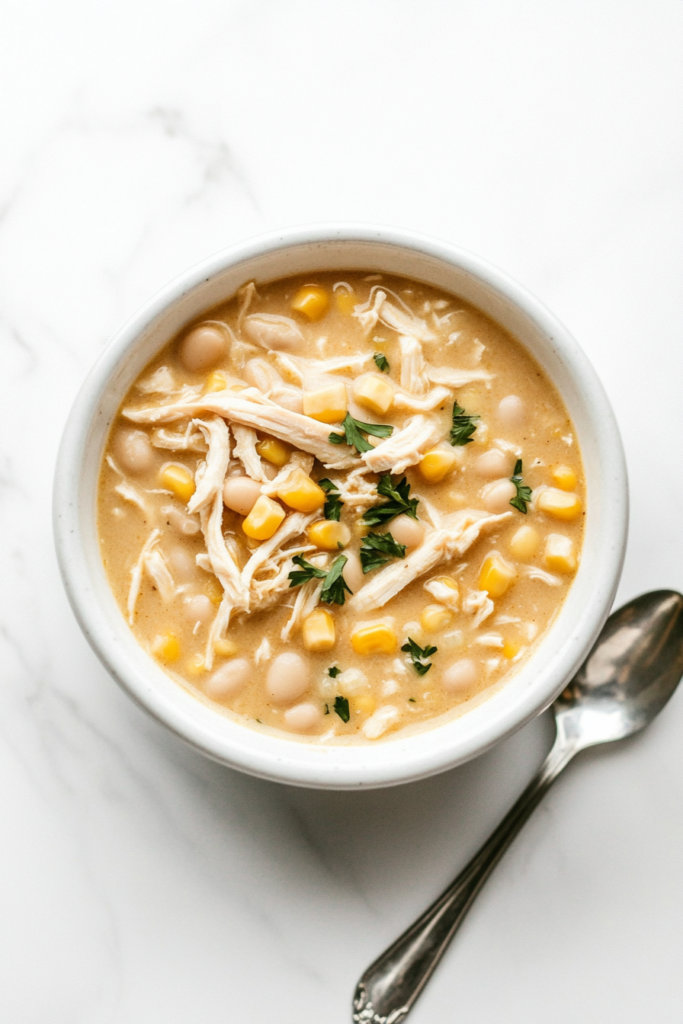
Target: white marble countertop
x=140 y=882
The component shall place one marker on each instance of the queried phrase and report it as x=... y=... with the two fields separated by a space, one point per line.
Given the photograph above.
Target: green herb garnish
x=418 y=655
x=333 y=503
x=334 y=671
x=354 y=430
x=335 y=584
x=523 y=496
x=341 y=706
x=305 y=573
x=377 y=548
x=399 y=502
x=382 y=362
x=463 y=427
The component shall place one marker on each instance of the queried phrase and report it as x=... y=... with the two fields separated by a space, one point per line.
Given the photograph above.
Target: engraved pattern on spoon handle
x=389 y=988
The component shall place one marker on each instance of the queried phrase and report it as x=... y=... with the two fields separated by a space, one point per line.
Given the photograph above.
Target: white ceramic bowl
x=530 y=690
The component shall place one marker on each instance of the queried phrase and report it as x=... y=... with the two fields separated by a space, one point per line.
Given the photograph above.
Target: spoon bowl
x=630 y=674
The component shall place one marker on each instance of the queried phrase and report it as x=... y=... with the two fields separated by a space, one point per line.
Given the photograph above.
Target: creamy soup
x=340 y=506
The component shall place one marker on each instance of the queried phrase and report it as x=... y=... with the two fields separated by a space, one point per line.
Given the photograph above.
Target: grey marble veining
x=140 y=882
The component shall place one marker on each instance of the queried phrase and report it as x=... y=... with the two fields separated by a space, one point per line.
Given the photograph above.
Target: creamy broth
x=307 y=574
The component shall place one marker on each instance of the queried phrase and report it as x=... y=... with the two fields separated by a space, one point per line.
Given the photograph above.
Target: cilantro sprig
x=418 y=656
x=306 y=572
x=463 y=427
x=333 y=503
x=335 y=585
x=399 y=502
x=377 y=548
x=341 y=706
x=523 y=496
x=334 y=671
x=381 y=362
x=354 y=430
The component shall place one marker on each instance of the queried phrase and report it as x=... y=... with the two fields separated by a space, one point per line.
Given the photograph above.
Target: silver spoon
x=626 y=680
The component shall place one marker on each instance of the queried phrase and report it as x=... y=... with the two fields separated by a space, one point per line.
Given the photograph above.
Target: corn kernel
x=559 y=554
x=195 y=665
x=559 y=504
x=274 y=451
x=166 y=647
x=374 y=393
x=225 y=648
x=214 y=591
x=436 y=464
x=363 y=704
x=318 y=632
x=510 y=649
x=524 y=543
x=264 y=518
x=564 y=477
x=328 y=405
x=216 y=381
x=435 y=617
x=178 y=479
x=345 y=301
x=301 y=493
x=329 y=535
x=379 y=638
x=312 y=301
x=496 y=575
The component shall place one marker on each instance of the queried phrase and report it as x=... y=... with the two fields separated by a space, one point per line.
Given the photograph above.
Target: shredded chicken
x=130 y=493
x=251 y=409
x=300 y=369
x=188 y=440
x=217 y=437
x=246 y=294
x=540 y=574
x=292 y=526
x=412 y=365
x=460 y=531
x=405 y=402
x=223 y=565
x=397 y=317
x=306 y=602
x=479 y=604
x=151 y=560
x=356 y=490
x=442 y=592
x=161 y=382
x=245 y=451
x=405 y=447
x=452 y=378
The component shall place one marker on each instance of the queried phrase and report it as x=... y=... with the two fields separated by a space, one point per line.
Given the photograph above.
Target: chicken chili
x=341 y=508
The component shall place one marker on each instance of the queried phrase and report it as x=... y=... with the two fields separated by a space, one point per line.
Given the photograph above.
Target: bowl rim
x=289 y=760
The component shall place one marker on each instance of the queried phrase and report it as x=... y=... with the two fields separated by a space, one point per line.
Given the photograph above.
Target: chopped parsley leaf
x=399 y=502
x=354 y=430
x=334 y=671
x=333 y=503
x=463 y=427
x=418 y=655
x=341 y=706
x=335 y=584
x=411 y=700
x=377 y=548
x=382 y=362
x=523 y=496
x=305 y=573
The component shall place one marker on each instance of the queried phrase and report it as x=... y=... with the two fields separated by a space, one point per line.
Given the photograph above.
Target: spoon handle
x=389 y=988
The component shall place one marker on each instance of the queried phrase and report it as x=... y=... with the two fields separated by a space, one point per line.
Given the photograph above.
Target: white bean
x=182 y=562
x=199 y=608
x=240 y=494
x=134 y=451
x=512 y=411
x=202 y=348
x=494 y=464
x=302 y=717
x=496 y=497
x=460 y=676
x=228 y=680
x=406 y=530
x=353 y=573
x=288 y=678
x=187 y=525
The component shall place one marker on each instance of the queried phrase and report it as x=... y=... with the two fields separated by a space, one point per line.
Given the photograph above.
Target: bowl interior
x=393 y=760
